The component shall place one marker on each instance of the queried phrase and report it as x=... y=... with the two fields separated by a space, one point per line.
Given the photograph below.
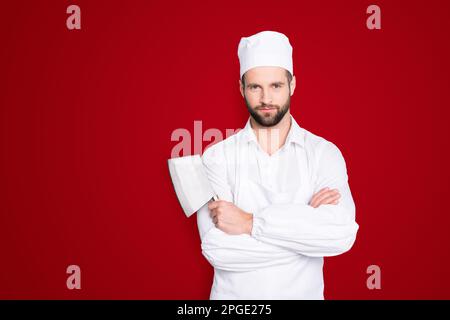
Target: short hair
x=288 y=75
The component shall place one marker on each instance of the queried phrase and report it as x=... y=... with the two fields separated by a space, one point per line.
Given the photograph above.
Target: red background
x=87 y=117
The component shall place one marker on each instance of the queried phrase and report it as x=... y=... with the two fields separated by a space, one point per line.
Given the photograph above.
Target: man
x=285 y=202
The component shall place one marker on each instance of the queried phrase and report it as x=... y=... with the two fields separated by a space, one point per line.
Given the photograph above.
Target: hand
x=229 y=218
x=325 y=196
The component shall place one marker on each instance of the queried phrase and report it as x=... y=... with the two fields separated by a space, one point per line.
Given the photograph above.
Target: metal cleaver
x=191 y=183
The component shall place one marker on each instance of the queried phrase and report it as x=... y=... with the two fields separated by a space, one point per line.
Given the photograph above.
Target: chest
x=258 y=181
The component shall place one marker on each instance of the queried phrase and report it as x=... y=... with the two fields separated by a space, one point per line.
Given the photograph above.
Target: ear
x=241 y=88
x=293 y=85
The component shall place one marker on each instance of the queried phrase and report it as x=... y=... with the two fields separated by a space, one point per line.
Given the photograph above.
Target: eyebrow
x=280 y=83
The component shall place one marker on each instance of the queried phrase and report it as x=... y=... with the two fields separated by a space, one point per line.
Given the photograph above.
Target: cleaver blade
x=190 y=182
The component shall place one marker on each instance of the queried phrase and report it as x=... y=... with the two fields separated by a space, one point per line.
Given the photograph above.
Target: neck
x=272 y=138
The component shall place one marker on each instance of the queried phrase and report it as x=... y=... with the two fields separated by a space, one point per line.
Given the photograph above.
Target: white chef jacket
x=283 y=256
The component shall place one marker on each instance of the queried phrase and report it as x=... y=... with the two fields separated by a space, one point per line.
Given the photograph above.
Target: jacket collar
x=296 y=134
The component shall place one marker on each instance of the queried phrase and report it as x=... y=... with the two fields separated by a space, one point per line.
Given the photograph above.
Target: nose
x=266 y=97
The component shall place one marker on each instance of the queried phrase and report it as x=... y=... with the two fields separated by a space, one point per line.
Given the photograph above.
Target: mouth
x=266 y=109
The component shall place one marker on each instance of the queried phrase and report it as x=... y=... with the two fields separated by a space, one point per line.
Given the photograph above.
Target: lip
x=266 y=109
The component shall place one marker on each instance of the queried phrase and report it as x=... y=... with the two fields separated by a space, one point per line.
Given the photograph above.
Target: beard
x=268 y=119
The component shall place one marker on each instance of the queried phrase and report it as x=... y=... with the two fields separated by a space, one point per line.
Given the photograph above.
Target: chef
x=284 y=198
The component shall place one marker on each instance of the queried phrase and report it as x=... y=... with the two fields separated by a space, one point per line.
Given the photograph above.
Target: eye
x=276 y=86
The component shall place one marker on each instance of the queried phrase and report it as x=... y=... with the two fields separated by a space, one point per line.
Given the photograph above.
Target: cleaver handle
x=215 y=197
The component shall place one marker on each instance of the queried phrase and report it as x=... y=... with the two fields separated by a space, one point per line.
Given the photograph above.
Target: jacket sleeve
x=327 y=230
x=233 y=252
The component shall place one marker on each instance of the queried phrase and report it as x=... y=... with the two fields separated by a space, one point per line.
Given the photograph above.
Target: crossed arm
x=235 y=240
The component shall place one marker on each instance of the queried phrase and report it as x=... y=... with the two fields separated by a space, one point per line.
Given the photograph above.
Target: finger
x=330 y=198
x=314 y=198
x=321 y=191
x=326 y=195
x=215 y=220
x=214 y=204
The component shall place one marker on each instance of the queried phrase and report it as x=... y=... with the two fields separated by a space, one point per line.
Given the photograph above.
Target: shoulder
x=220 y=165
x=222 y=152
x=322 y=148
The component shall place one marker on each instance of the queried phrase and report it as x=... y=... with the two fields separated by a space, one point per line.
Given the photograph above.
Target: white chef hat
x=266 y=48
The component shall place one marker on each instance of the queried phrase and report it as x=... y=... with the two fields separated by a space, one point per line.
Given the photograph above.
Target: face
x=267 y=94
